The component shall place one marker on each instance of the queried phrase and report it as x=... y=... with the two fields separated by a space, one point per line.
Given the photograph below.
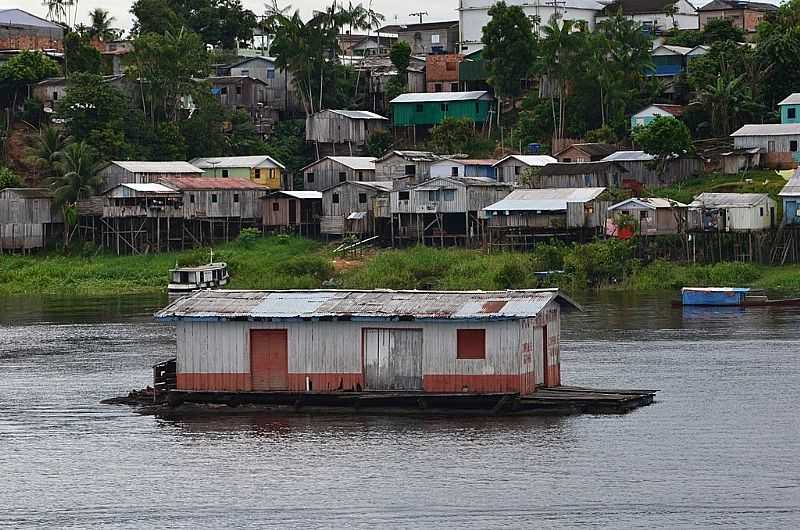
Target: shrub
x=316 y=267
x=248 y=237
x=9 y=179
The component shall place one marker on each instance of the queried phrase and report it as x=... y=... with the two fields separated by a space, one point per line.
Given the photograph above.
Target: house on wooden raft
x=29 y=219
x=641 y=171
x=578 y=174
x=343 y=131
x=331 y=170
x=404 y=341
x=514 y=167
x=526 y=213
x=443 y=210
x=648 y=216
x=292 y=211
x=732 y=212
x=178 y=212
x=409 y=166
x=134 y=171
x=360 y=208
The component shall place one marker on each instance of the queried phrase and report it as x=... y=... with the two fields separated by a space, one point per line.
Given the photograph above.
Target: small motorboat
x=188 y=279
x=730 y=297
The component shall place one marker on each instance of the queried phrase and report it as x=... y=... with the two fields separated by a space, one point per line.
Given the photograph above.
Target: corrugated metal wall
x=211 y=355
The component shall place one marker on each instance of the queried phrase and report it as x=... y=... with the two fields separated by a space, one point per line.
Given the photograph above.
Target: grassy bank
x=288 y=262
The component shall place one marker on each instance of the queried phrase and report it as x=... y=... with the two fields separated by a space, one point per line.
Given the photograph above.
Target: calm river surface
x=721 y=447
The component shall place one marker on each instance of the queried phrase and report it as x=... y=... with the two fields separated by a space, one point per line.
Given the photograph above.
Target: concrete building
x=441 y=72
x=429 y=37
x=655 y=16
x=743 y=15
x=20 y=30
x=404 y=341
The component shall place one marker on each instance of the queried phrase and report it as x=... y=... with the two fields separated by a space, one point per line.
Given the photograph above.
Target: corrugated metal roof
x=469 y=161
x=792 y=188
x=358 y=114
x=30 y=193
x=147 y=187
x=530 y=160
x=431 y=97
x=728 y=200
x=355 y=162
x=592 y=148
x=436 y=183
x=791 y=99
x=667 y=49
x=211 y=183
x=579 y=168
x=236 y=161
x=550 y=199
x=769 y=129
x=649 y=202
x=140 y=166
x=412 y=156
x=300 y=194
x=23 y=18
x=629 y=156
x=362 y=305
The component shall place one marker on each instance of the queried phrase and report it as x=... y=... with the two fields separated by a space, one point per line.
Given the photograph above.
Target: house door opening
x=269 y=361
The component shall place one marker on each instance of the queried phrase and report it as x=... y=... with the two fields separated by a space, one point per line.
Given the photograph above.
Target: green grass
x=761 y=181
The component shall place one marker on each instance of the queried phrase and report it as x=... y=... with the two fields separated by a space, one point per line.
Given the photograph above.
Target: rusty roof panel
x=368 y=305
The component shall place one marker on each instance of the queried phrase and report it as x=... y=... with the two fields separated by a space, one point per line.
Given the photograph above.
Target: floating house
x=412 y=166
x=532 y=211
x=641 y=170
x=326 y=172
x=732 y=212
x=334 y=129
x=261 y=169
x=135 y=171
x=650 y=113
x=464 y=167
x=425 y=110
x=579 y=174
x=586 y=152
x=403 y=341
x=443 y=210
x=790 y=195
x=511 y=168
x=293 y=211
x=350 y=207
x=29 y=218
x=649 y=216
x=778 y=143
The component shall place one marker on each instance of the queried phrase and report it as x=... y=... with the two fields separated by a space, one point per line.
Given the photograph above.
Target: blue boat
x=729 y=296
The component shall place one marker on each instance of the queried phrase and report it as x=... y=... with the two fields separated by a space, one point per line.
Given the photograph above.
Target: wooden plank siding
x=338 y=202
x=430 y=197
x=328 y=172
x=330 y=127
x=27 y=219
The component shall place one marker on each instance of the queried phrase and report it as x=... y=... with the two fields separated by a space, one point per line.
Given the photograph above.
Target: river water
x=721 y=447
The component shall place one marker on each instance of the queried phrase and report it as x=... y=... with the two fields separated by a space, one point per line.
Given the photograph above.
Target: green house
x=790 y=108
x=472 y=71
x=431 y=108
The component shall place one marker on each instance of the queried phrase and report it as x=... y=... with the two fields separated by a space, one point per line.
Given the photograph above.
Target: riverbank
x=282 y=262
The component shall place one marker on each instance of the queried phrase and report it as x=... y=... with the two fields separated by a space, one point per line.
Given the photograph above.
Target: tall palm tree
x=45 y=149
x=726 y=100
x=76 y=173
x=100 y=27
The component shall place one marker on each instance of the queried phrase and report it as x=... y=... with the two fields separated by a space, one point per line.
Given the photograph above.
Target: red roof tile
x=211 y=183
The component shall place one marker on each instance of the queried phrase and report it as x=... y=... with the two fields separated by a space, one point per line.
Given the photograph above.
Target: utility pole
x=419 y=14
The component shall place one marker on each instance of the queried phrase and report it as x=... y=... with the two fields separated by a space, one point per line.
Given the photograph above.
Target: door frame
x=282 y=331
x=364 y=348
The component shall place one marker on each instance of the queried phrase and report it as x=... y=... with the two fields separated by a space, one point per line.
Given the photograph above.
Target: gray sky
x=120 y=9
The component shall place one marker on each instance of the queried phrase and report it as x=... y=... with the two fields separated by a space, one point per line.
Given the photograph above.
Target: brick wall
x=30 y=42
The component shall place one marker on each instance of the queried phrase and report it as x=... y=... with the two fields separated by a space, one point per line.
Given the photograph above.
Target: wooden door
x=292 y=212
x=269 y=362
x=545 y=359
x=393 y=359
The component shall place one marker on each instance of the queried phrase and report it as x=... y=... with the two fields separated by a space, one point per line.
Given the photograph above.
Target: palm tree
x=100 y=27
x=726 y=100
x=46 y=148
x=77 y=171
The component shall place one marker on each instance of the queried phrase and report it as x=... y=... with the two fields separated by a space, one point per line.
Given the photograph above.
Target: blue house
x=790 y=108
x=790 y=194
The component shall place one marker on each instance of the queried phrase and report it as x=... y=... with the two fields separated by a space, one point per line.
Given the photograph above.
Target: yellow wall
x=270 y=177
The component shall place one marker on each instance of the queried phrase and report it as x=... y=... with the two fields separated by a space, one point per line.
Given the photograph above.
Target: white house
x=648 y=114
x=512 y=167
x=652 y=14
x=462 y=167
x=778 y=142
x=732 y=212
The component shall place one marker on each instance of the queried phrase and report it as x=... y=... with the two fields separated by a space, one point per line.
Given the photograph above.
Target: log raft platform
x=563 y=400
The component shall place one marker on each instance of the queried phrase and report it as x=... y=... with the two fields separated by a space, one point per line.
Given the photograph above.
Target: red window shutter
x=471 y=344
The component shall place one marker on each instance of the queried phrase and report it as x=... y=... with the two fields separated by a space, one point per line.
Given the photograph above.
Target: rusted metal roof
x=363 y=305
x=211 y=183
x=29 y=193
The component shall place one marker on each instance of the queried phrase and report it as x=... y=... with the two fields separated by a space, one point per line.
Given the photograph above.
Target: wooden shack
x=415 y=166
x=29 y=219
x=443 y=210
x=517 y=219
x=649 y=216
x=790 y=195
x=512 y=168
x=261 y=169
x=135 y=171
x=343 y=131
x=579 y=175
x=333 y=341
x=641 y=171
x=331 y=170
x=585 y=152
x=293 y=211
x=779 y=143
x=350 y=208
x=732 y=212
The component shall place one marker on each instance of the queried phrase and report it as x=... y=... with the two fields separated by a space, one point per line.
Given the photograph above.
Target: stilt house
x=293 y=211
x=513 y=167
x=331 y=170
x=28 y=218
x=415 y=166
x=352 y=208
x=133 y=171
x=404 y=341
x=647 y=216
x=343 y=131
x=732 y=212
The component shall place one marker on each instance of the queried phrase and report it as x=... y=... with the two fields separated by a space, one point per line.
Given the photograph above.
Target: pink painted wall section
x=478 y=383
